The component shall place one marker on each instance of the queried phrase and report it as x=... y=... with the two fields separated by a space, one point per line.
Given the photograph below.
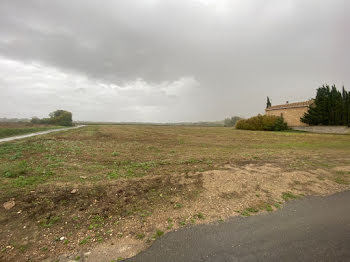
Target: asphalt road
x=311 y=229
x=11 y=138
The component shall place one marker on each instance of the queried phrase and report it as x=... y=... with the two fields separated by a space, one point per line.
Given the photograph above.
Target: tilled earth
x=72 y=215
x=117 y=220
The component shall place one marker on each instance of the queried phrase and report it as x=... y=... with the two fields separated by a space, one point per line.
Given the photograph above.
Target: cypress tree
x=348 y=107
x=268 y=103
x=336 y=106
x=345 y=112
x=331 y=107
x=322 y=102
x=312 y=117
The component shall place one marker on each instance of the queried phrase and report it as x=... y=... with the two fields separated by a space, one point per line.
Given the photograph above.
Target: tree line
x=330 y=107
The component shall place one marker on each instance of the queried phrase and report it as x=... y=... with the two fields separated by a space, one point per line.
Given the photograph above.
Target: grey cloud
x=238 y=51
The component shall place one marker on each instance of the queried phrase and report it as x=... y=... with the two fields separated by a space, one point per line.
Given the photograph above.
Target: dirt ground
x=106 y=193
x=243 y=190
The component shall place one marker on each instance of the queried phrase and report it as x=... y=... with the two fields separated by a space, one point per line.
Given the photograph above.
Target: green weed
x=140 y=236
x=288 y=195
x=268 y=208
x=252 y=210
x=277 y=205
x=245 y=213
x=341 y=180
x=182 y=223
x=178 y=205
x=84 y=241
x=159 y=233
x=199 y=216
x=51 y=221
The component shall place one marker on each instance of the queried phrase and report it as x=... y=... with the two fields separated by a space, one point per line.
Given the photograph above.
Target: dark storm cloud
x=234 y=52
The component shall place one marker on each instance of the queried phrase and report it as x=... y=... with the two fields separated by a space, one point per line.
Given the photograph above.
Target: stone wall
x=291 y=115
x=324 y=129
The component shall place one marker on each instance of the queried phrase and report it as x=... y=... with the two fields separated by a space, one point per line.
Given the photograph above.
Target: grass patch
x=115 y=154
x=15 y=169
x=341 y=180
x=248 y=211
x=288 y=196
x=268 y=208
x=140 y=236
x=8 y=132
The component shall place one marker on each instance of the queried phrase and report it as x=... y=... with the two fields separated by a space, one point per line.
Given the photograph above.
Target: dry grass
x=133 y=181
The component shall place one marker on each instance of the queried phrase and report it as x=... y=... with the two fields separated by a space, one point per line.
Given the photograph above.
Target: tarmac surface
x=310 y=229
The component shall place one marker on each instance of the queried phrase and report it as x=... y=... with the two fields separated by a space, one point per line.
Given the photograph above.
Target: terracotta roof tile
x=291 y=105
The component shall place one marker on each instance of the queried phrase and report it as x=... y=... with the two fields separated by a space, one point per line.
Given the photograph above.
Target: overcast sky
x=168 y=61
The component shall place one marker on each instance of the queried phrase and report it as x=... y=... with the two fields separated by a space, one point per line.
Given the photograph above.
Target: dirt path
x=7 y=139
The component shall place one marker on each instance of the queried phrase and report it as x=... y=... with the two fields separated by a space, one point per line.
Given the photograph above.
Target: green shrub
x=263 y=123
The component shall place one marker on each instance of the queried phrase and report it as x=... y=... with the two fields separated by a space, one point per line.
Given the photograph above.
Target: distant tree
x=268 y=103
x=231 y=121
x=35 y=120
x=61 y=117
x=330 y=107
x=58 y=117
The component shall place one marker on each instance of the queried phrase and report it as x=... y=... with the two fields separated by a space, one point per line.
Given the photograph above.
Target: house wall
x=291 y=115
